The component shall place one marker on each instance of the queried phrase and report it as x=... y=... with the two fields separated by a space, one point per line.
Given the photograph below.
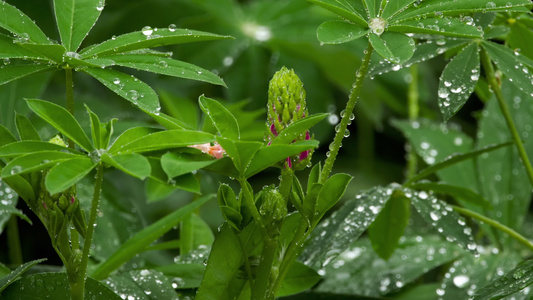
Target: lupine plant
x=460 y=210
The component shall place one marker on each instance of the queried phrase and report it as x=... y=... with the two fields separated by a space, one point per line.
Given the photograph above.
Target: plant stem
x=517 y=236
x=82 y=274
x=13 y=240
x=260 y=289
x=352 y=100
x=186 y=235
x=285 y=183
x=491 y=77
x=412 y=103
x=249 y=202
x=69 y=90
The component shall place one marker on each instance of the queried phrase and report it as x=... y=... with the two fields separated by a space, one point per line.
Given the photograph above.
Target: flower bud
x=286 y=104
x=274 y=208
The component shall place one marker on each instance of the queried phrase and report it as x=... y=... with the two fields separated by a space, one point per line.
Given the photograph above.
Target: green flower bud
x=58 y=141
x=286 y=104
x=273 y=209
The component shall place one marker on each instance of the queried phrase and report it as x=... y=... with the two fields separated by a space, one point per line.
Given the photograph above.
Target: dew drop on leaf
x=147 y=31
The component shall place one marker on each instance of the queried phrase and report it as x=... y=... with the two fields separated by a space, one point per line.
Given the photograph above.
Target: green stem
x=285 y=183
x=352 y=100
x=79 y=286
x=493 y=82
x=13 y=240
x=249 y=203
x=517 y=236
x=260 y=289
x=69 y=83
x=412 y=103
x=186 y=235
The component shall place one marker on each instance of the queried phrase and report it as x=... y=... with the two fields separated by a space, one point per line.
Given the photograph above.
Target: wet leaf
x=75 y=18
x=393 y=46
x=458 y=80
x=291 y=132
x=53 y=52
x=36 y=161
x=184 y=275
x=465 y=194
x=53 y=286
x=142 y=285
x=444 y=219
x=25 y=129
x=176 y=164
x=512 y=282
x=127 y=87
x=20 y=24
x=337 y=32
x=221 y=117
x=299 y=278
x=14 y=72
x=62 y=120
x=441 y=27
x=67 y=173
x=351 y=11
x=140 y=40
x=335 y=234
x=394 y=7
x=28 y=147
x=165 y=140
x=133 y=164
x=360 y=271
x=130 y=135
x=15 y=274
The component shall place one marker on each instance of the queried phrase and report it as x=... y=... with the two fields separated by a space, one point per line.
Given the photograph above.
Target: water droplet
x=147 y=31
x=346 y=133
x=116 y=81
x=163 y=63
x=447 y=83
x=491 y=5
x=100 y=5
x=461 y=281
x=456 y=90
x=172 y=27
x=434 y=216
x=333 y=119
x=133 y=95
x=377 y=25
x=227 y=61
x=6 y=61
x=16 y=170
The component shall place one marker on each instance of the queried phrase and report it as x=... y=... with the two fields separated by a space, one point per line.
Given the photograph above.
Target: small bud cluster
x=214 y=150
x=286 y=105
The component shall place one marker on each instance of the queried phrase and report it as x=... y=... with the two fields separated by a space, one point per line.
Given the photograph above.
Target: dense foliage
x=205 y=149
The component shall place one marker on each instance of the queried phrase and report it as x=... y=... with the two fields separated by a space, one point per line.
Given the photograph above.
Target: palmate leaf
x=25 y=129
x=393 y=46
x=441 y=26
x=13 y=72
x=133 y=164
x=127 y=87
x=291 y=132
x=240 y=152
x=511 y=65
x=372 y=7
x=26 y=147
x=394 y=7
x=11 y=277
x=62 y=120
x=458 y=80
x=429 y=8
x=128 y=136
x=67 y=173
x=75 y=18
x=512 y=282
x=53 y=52
x=176 y=164
x=338 y=32
x=142 y=284
x=10 y=49
x=159 y=65
x=35 y=161
x=165 y=140
x=221 y=117
x=137 y=40
x=18 y=23
x=352 y=11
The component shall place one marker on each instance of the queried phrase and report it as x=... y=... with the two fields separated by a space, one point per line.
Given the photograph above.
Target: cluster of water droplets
x=8 y=197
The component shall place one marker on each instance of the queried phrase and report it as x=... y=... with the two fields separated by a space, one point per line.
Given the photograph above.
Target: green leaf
x=291 y=132
x=352 y=11
x=453 y=159
x=130 y=135
x=181 y=108
x=75 y=18
x=470 y=273
x=137 y=40
x=187 y=182
x=190 y=274
x=62 y=120
x=428 y=8
x=299 y=278
x=10 y=49
x=159 y=65
x=96 y=128
x=175 y=164
x=18 y=23
x=240 y=152
x=8 y=204
x=393 y=46
x=512 y=282
x=389 y=226
x=502 y=177
x=145 y=237
x=25 y=129
x=442 y=27
x=521 y=36
x=458 y=80
x=331 y=192
x=27 y=147
x=53 y=286
x=222 y=119
x=156 y=190
x=35 y=162
x=142 y=284
x=360 y=271
x=372 y=7
x=127 y=87
x=67 y=173
x=465 y=194
x=335 y=234
x=338 y=32
x=394 y=7
x=133 y=164
x=6 y=137
x=269 y=155
x=510 y=65
x=229 y=205
x=17 y=273
x=165 y=140
x=221 y=280
x=53 y=52
x=22 y=187
x=441 y=215
x=14 y=72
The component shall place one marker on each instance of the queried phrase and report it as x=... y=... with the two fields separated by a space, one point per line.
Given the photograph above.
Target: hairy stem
x=249 y=203
x=412 y=102
x=343 y=125
x=260 y=288
x=491 y=77
x=515 y=235
x=82 y=274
